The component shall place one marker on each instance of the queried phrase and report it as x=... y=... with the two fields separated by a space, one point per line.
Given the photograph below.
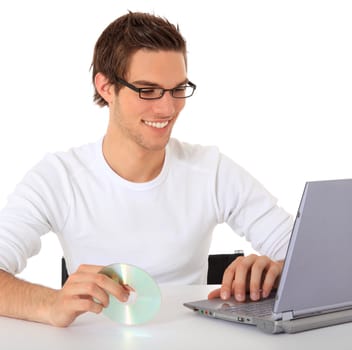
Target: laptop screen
x=316 y=274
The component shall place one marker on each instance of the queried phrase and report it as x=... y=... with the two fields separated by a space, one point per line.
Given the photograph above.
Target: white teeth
x=158 y=125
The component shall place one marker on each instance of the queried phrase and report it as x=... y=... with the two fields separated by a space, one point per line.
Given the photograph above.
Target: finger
x=87 y=290
x=112 y=287
x=214 y=294
x=271 y=278
x=227 y=279
x=84 y=275
x=89 y=268
x=81 y=305
x=128 y=287
x=256 y=277
x=240 y=283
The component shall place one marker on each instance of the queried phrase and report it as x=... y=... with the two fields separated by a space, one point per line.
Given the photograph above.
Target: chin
x=160 y=146
x=157 y=148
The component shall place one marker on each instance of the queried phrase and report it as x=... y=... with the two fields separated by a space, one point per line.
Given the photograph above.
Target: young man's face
x=148 y=123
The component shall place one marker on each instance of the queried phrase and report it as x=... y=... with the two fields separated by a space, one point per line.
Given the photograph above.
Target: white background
x=274 y=90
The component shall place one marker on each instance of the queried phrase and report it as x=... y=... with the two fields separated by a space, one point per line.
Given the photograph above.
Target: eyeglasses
x=154 y=93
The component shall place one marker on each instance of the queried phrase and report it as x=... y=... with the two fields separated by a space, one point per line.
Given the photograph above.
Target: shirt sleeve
x=38 y=205
x=251 y=211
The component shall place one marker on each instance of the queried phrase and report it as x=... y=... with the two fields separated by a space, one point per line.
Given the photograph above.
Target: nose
x=167 y=105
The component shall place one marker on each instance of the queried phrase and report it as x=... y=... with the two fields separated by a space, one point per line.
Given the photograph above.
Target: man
x=136 y=196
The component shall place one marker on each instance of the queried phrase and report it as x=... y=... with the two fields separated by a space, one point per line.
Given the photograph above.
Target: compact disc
x=145 y=298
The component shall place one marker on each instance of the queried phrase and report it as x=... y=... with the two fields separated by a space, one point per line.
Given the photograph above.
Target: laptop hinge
x=288 y=315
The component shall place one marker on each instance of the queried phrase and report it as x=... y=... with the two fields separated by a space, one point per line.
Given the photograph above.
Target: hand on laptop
x=253 y=273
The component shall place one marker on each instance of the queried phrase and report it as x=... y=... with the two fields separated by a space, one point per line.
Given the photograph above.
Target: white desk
x=175 y=327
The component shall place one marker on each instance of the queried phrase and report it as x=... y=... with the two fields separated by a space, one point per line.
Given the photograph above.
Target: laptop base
x=269 y=325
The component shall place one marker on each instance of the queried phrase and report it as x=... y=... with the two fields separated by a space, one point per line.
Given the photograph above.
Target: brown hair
x=127 y=34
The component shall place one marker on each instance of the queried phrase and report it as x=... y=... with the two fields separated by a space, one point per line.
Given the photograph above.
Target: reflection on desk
x=175 y=327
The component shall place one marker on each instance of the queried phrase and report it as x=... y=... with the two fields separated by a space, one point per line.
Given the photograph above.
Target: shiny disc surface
x=144 y=302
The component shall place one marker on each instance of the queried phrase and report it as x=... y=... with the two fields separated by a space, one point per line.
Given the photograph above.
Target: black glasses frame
x=162 y=91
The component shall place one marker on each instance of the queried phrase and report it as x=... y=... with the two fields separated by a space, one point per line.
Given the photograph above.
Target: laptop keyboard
x=260 y=308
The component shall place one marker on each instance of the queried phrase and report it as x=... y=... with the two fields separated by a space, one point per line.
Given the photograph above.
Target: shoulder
x=67 y=164
x=193 y=153
x=208 y=161
x=75 y=158
x=206 y=157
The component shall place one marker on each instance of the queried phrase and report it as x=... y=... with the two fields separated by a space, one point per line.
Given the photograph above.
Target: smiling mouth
x=157 y=125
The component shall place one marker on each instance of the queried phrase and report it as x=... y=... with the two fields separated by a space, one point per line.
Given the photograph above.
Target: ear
x=104 y=87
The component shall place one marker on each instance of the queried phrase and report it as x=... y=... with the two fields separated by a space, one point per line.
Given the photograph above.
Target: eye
x=180 y=88
x=149 y=91
x=179 y=91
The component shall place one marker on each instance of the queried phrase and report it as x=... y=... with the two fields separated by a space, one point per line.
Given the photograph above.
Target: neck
x=132 y=162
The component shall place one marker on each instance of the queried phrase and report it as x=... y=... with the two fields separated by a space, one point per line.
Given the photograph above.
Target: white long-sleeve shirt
x=163 y=226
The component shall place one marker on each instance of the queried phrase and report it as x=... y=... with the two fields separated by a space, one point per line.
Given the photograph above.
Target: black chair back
x=217 y=265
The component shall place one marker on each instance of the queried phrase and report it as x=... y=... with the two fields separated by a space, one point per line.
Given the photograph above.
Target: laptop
x=315 y=288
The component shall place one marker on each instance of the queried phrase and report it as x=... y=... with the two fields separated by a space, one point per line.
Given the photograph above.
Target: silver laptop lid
x=317 y=273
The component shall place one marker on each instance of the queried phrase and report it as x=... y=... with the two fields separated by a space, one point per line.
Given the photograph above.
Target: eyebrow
x=149 y=83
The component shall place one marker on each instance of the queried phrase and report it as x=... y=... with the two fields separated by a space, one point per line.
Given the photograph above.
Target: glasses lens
x=150 y=94
x=183 y=91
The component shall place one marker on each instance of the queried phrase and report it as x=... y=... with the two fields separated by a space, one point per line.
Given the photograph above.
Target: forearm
x=24 y=300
